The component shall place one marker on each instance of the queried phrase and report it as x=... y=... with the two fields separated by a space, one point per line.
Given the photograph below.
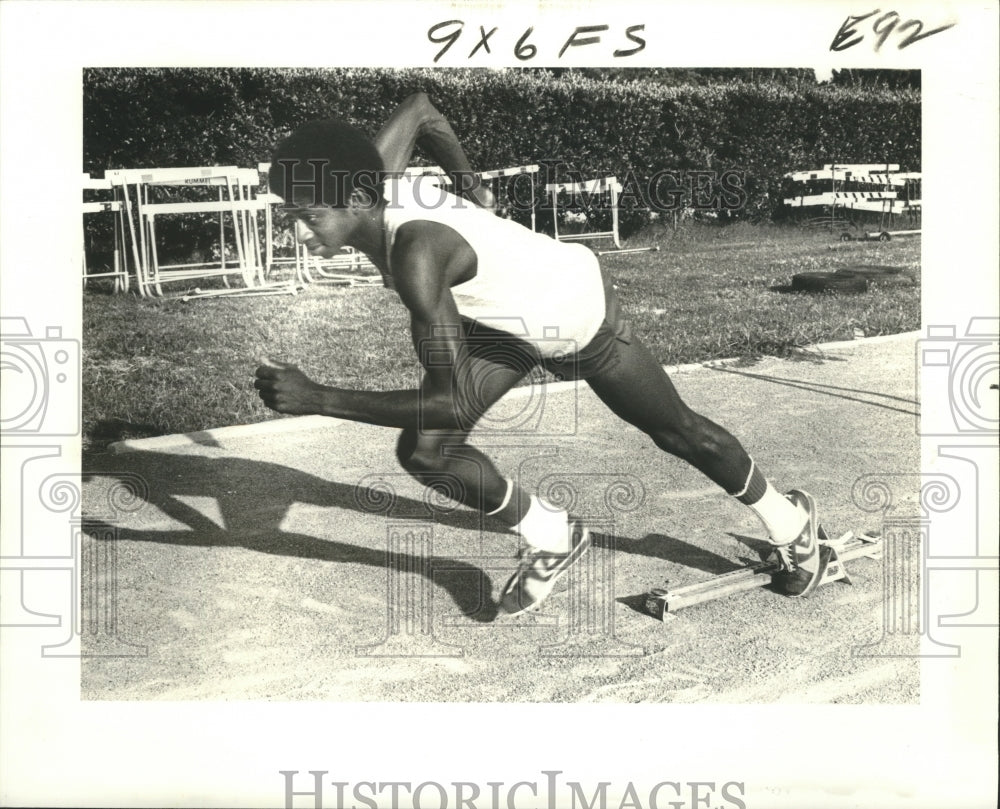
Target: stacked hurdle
x=135 y=190
x=136 y=187
x=872 y=187
x=584 y=195
x=248 y=260
x=120 y=271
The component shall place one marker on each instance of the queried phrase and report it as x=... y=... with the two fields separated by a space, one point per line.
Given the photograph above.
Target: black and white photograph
x=459 y=443
x=519 y=405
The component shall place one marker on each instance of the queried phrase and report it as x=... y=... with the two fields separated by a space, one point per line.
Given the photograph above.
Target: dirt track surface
x=298 y=563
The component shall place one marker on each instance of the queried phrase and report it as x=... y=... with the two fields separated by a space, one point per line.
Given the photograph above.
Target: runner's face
x=324 y=230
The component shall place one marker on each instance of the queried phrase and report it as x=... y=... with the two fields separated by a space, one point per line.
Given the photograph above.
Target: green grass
x=713 y=294
x=157 y=367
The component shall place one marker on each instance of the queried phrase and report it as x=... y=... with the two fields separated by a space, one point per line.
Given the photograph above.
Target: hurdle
x=495 y=176
x=234 y=188
x=587 y=190
x=266 y=200
x=227 y=180
x=150 y=275
x=663 y=603
x=590 y=189
x=120 y=271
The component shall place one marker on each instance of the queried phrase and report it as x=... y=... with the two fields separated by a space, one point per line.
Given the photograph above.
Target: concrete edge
x=301 y=423
x=219 y=434
x=882 y=338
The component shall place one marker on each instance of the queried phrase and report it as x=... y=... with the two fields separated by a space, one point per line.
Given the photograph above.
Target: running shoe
x=801 y=562
x=538 y=571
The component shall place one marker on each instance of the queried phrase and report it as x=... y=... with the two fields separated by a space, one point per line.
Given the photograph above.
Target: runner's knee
x=421 y=454
x=409 y=453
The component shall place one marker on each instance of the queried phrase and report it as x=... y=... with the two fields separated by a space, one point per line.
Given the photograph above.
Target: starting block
x=662 y=603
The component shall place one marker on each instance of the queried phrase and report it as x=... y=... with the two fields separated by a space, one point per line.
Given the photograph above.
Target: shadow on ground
x=162 y=479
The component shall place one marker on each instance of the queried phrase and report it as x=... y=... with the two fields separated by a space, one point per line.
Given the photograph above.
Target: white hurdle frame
x=598 y=186
x=267 y=202
x=235 y=197
x=120 y=271
x=226 y=179
x=148 y=271
x=494 y=176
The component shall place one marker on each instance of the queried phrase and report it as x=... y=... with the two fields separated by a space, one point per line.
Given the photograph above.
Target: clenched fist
x=284 y=388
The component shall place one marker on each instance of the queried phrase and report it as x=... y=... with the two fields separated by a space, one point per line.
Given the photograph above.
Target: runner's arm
x=416 y=122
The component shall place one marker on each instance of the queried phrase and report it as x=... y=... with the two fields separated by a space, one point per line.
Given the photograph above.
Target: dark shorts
x=599 y=355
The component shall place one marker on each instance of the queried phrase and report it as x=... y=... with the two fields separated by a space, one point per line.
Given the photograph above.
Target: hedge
x=579 y=126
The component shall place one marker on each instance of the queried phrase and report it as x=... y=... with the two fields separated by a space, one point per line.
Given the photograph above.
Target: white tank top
x=528 y=284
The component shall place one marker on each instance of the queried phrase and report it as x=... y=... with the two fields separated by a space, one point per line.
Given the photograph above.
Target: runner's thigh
x=495 y=366
x=639 y=391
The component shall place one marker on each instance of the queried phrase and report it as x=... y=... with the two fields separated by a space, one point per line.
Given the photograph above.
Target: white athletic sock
x=506 y=499
x=545 y=527
x=783 y=520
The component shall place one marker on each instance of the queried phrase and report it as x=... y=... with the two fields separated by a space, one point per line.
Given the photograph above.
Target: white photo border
x=58 y=750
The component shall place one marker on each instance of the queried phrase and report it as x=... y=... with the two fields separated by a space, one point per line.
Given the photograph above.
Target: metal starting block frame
x=662 y=603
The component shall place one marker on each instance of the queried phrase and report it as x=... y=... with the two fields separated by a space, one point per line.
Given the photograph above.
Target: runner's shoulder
x=422 y=238
x=431 y=247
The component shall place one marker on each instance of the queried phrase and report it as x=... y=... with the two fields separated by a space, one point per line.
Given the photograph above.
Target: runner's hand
x=284 y=388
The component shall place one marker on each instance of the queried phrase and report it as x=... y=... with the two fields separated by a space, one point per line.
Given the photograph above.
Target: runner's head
x=325 y=163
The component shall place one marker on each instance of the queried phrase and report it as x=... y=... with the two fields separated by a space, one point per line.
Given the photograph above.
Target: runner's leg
x=444 y=459
x=638 y=390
